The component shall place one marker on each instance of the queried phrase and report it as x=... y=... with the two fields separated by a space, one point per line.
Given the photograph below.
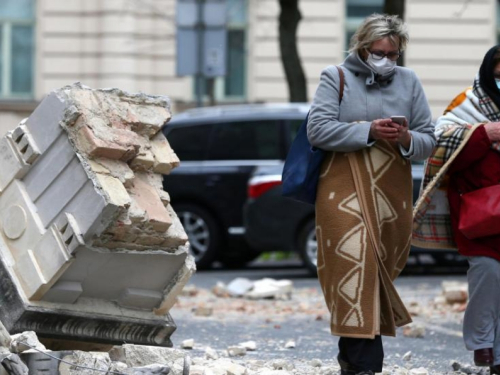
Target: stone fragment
x=249 y=345
x=141 y=355
x=80 y=360
x=187 y=344
x=5 y=338
x=414 y=330
x=239 y=286
x=230 y=367
x=189 y=291
x=203 y=311
x=235 y=351
x=197 y=370
x=290 y=344
x=455 y=292
x=211 y=353
x=270 y=288
x=316 y=362
x=282 y=364
x=419 y=371
x=165 y=158
x=407 y=356
x=13 y=364
x=25 y=341
x=149 y=370
x=464 y=368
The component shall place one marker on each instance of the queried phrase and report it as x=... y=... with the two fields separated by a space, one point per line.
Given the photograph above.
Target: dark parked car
x=273 y=222
x=219 y=148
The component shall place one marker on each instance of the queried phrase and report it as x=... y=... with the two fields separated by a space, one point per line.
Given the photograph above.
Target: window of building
x=17 y=18
x=233 y=85
x=356 y=12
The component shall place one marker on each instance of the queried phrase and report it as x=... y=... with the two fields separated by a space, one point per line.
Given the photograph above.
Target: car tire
x=308 y=246
x=203 y=232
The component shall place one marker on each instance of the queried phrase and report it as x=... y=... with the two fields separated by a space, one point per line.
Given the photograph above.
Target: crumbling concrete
x=90 y=247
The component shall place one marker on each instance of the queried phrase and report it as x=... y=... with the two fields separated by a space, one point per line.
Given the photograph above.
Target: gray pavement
x=441 y=345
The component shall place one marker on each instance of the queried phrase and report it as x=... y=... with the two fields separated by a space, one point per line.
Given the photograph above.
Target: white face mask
x=382 y=66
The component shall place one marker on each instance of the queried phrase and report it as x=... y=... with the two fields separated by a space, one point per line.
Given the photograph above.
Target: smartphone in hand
x=401 y=120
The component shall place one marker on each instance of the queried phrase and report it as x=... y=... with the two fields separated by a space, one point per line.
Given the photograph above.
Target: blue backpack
x=303 y=162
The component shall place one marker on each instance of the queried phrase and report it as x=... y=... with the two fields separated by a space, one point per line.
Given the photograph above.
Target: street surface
x=304 y=319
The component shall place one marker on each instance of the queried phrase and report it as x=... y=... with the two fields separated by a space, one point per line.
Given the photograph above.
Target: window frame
x=6 y=25
x=352 y=23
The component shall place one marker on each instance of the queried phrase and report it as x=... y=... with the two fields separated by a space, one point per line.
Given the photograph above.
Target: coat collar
x=355 y=64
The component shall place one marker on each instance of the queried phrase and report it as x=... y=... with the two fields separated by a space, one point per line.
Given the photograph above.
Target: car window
x=190 y=142
x=246 y=140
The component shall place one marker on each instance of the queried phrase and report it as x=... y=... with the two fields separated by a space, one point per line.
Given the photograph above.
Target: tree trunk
x=288 y=23
x=396 y=7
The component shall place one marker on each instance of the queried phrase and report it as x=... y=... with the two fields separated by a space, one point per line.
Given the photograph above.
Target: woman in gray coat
x=364 y=198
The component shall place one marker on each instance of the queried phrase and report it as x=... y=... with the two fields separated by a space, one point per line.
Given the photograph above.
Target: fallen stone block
x=414 y=330
x=419 y=371
x=270 y=288
x=91 y=248
x=25 y=341
x=235 y=351
x=239 y=286
x=455 y=292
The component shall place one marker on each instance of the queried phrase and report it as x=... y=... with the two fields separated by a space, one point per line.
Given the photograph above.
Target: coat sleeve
x=421 y=126
x=324 y=129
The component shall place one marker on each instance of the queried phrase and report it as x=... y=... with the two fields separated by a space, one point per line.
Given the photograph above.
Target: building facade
x=130 y=44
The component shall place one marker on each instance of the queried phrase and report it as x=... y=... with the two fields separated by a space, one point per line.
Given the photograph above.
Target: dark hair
x=486 y=77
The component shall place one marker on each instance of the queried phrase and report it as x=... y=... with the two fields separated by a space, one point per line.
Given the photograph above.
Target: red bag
x=480 y=212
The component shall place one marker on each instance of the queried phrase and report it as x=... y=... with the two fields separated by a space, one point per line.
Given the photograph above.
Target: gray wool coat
x=367 y=97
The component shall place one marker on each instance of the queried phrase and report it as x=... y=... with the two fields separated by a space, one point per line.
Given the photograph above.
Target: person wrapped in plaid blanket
x=467 y=158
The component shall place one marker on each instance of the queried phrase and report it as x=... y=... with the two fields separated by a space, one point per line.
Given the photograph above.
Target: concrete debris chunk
x=419 y=371
x=414 y=330
x=316 y=362
x=13 y=364
x=211 y=353
x=149 y=370
x=203 y=311
x=25 y=341
x=249 y=345
x=81 y=360
x=464 y=368
x=407 y=356
x=5 y=338
x=81 y=203
x=235 y=351
x=290 y=344
x=270 y=288
x=187 y=344
x=282 y=364
x=239 y=286
x=139 y=355
x=455 y=292
x=230 y=367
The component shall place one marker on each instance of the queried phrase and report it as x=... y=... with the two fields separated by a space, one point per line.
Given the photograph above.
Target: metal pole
x=200 y=26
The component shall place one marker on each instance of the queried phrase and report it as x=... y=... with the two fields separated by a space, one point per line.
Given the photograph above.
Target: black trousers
x=362 y=354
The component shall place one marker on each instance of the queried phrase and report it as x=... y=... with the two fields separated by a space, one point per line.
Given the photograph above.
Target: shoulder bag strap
x=342 y=80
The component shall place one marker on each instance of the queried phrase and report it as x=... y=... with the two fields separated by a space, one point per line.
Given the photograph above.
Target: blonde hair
x=379 y=26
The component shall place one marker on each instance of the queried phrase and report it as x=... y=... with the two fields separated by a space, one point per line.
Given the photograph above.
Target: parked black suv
x=219 y=148
x=273 y=222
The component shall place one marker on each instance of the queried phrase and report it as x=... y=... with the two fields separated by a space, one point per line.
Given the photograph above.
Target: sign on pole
x=201 y=37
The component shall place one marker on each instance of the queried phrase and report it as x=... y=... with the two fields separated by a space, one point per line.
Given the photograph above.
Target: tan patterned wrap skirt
x=363 y=227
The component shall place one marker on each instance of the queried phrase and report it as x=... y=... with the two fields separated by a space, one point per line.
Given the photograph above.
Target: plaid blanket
x=431 y=215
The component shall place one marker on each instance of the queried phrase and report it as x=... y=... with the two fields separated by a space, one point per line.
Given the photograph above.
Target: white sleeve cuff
x=408 y=153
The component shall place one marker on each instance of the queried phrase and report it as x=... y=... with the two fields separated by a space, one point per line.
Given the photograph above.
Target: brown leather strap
x=342 y=79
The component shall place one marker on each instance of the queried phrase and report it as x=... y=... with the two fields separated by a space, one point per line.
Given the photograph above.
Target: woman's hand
x=493 y=131
x=384 y=129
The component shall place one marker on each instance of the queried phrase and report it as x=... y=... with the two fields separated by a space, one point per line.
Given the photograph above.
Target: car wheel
x=203 y=233
x=308 y=246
